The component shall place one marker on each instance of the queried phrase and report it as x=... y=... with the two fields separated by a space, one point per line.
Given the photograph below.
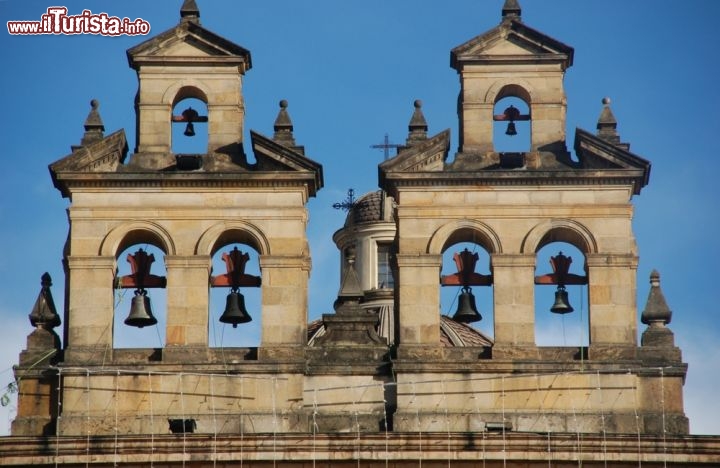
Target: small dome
x=369 y=208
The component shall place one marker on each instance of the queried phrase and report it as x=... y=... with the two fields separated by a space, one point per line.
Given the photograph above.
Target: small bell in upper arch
x=511 y=129
x=189 y=130
x=562 y=304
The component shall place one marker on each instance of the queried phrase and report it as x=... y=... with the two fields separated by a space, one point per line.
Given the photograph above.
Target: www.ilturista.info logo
x=57 y=21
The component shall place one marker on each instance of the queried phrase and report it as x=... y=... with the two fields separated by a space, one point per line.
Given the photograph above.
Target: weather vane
x=348 y=203
x=385 y=146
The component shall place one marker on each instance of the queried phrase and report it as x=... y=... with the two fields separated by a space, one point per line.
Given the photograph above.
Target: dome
x=370 y=208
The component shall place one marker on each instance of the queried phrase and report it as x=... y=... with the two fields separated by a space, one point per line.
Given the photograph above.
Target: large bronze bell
x=467 y=311
x=140 y=311
x=235 y=311
x=562 y=305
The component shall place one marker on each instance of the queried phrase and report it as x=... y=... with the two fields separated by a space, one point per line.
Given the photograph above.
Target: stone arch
x=464 y=230
x=183 y=89
x=125 y=235
x=511 y=87
x=229 y=232
x=559 y=230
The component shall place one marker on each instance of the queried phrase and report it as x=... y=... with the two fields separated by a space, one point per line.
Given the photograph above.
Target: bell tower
x=511 y=60
x=512 y=205
x=190 y=209
x=188 y=61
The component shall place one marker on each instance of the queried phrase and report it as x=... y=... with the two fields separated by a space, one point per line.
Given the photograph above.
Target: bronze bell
x=562 y=305
x=467 y=311
x=235 y=311
x=140 y=311
x=511 y=129
x=189 y=130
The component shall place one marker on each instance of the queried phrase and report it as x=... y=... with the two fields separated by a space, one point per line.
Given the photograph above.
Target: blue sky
x=351 y=71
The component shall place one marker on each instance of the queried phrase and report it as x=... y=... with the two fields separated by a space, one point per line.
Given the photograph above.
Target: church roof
x=189 y=41
x=509 y=41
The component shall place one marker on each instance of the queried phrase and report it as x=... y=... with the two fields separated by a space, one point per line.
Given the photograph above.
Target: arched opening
x=466 y=293
x=561 y=297
x=235 y=294
x=512 y=132
x=139 y=294
x=190 y=122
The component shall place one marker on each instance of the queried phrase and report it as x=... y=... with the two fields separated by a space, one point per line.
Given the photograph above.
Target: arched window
x=466 y=286
x=140 y=297
x=512 y=132
x=561 y=297
x=235 y=296
x=190 y=126
x=511 y=128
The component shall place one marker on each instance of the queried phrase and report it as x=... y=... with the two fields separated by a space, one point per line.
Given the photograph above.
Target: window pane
x=385 y=278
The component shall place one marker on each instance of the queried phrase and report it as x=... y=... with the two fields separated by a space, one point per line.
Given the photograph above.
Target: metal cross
x=348 y=203
x=385 y=146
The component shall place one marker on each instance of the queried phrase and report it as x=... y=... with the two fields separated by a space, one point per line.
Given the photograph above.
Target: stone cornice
x=497 y=448
x=627 y=177
x=73 y=180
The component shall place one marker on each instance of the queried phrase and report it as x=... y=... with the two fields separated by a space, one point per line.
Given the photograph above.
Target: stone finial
x=511 y=9
x=656 y=313
x=350 y=289
x=44 y=314
x=189 y=11
x=607 y=125
x=418 y=125
x=283 y=126
x=94 y=127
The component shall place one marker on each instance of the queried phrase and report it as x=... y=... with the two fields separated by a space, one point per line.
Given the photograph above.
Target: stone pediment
x=105 y=155
x=511 y=40
x=428 y=156
x=188 y=40
x=271 y=156
x=596 y=153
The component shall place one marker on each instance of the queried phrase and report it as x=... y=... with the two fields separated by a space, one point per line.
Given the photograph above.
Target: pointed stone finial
x=189 y=11
x=94 y=127
x=607 y=125
x=418 y=125
x=656 y=313
x=350 y=288
x=511 y=9
x=283 y=126
x=44 y=314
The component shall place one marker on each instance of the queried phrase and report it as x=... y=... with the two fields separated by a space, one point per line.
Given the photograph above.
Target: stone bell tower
x=512 y=205
x=511 y=59
x=188 y=61
x=191 y=207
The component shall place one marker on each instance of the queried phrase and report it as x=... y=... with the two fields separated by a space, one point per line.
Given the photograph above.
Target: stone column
x=284 y=305
x=613 y=309
x=418 y=302
x=513 y=301
x=154 y=133
x=477 y=126
x=187 y=300
x=90 y=308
